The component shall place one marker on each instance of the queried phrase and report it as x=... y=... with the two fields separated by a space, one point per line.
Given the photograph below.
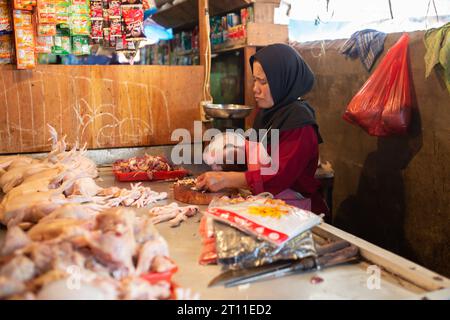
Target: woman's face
x=261 y=88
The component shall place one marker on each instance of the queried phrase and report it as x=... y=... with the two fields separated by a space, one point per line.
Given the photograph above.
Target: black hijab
x=289 y=78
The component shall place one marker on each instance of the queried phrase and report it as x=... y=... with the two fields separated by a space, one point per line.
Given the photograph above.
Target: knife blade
x=240 y=277
x=234 y=275
x=304 y=264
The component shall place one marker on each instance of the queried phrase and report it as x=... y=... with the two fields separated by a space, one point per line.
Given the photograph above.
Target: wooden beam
x=391 y=262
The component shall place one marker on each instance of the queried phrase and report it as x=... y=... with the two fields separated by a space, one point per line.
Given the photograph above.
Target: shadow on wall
x=377 y=211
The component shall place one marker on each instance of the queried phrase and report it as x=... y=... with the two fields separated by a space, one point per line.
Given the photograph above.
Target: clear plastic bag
x=237 y=250
x=382 y=106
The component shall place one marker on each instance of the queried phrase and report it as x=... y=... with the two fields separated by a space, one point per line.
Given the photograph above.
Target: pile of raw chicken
x=68 y=238
x=145 y=163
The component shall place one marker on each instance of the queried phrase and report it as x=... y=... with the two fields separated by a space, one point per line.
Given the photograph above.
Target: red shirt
x=298 y=158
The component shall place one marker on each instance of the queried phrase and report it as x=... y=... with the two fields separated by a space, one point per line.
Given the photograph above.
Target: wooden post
x=248 y=85
x=203 y=18
x=205 y=54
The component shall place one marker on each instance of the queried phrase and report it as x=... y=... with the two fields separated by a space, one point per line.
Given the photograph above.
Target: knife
x=236 y=275
x=240 y=277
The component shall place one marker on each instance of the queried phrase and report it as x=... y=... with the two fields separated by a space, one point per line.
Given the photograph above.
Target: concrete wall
x=395 y=191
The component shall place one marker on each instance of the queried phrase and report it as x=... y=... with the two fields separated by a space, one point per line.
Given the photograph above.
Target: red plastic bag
x=208 y=254
x=382 y=106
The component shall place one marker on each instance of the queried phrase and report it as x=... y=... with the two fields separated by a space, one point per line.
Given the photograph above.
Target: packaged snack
x=62 y=45
x=62 y=11
x=24 y=4
x=82 y=9
x=114 y=8
x=44 y=44
x=5 y=18
x=22 y=19
x=105 y=36
x=79 y=2
x=269 y=219
x=96 y=9
x=24 y=37
x=133 y=17
x=44 y=30
x=148 y=4
x=80 y=45
x=6 y=49
x=132 y=2
x=115 y=27
x=121 y=44
x=96 y=28
x=25 y=58
x=46 y=11
x=79 y=25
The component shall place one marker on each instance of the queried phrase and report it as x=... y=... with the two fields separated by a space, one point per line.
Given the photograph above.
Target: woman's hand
x=216 y=181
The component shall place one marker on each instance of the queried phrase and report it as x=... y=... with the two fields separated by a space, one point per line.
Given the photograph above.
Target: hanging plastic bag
x=382 y=106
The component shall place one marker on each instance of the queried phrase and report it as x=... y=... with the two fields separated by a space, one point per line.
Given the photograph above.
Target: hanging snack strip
x=46 y=28
x=80 y=26
x=24 y=37
x=44 y=44
x=6 y=49
x=24 y=4
x=97 y=21
x=133 y=17
x=80 y=45
x=5 y=18
x=62 y=12
x=62 y=45
x=79 y=20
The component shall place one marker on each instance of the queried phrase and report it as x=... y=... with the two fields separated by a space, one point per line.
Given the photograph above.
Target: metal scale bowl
x=227 y=116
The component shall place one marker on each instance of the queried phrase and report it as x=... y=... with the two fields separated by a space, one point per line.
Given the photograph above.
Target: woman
x=281 y=77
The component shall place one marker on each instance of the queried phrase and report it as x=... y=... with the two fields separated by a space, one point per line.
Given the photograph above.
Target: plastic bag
x=237 y=250
x=208 y=254
x=382 y=106
x=265 y=218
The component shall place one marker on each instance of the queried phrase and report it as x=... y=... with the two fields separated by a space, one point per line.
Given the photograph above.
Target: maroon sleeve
x=295 y=149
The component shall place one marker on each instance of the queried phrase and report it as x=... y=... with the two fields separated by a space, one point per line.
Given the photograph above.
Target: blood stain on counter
x=316 y=280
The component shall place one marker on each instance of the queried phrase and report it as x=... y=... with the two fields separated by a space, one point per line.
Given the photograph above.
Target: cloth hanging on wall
x=437 y=43
x=366 y=44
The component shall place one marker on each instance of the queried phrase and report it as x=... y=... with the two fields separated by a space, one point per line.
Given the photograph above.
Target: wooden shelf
x=258 y=35
x=185 y=14
x=187 y=53
x=226 y=48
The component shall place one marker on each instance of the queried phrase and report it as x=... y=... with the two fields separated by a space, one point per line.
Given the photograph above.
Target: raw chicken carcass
x=10 y=287
x=135 y=288
x=6 y=161
x=54 y=228
x=114 y=244
x=33 y=206
x=15 y=239
x=84 y=187
x=147 y=253
x=172 y=212
x=75 y=211
x=144 y=230
x=162 y=264
x=19 y=268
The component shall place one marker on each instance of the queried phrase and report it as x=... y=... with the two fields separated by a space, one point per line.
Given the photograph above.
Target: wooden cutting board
x=184 y=193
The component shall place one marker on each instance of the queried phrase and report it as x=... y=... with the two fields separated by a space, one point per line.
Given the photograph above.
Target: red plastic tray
x=143 y=176
x=154 y=277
